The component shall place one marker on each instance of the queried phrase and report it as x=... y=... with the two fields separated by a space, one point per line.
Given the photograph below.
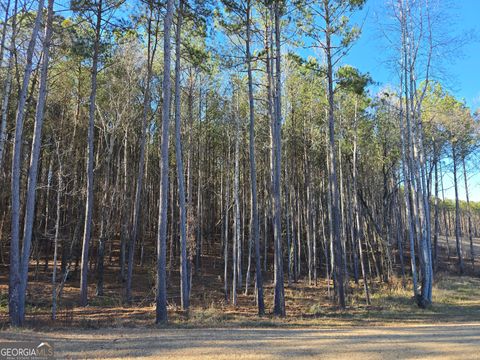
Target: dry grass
x=456 y=299
x=419 y=341
x=391 y=327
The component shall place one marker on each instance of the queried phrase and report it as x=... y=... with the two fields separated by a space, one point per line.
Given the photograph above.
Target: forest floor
x=392 y=326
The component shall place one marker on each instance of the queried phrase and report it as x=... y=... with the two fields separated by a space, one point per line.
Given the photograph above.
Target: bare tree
x=16 y=298
x=279 y=293
x=255 y=231
x=87 y=230
x=184 y=293
x=161 y=296
x=34 y=157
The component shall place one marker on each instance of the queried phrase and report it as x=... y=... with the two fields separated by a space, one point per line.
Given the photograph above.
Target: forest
x=164 y=156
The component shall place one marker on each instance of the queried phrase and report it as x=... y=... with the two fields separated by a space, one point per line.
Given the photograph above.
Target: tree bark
x=332 y=173
x=279 y=295
x=436 y=231
x=227 y=226
x=358 y=233
x=180 y=172
x=458 y=230
x=90 y=160
x=469 y=216
x=236 y=207
x=255 y=230
x=57 y=234
x=16 y=300
x=161 y=295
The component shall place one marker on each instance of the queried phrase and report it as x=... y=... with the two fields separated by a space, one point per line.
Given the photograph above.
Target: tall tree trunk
x=314 y=240
x=161 y=296
x=236 y=207
x=289 y=226
x=105 y=217
x=332 y=174
x=255 y=230
x=308 y=217
x=190 y=216
x=469 y=216
x=198 y=237
x=358 y=233
x=34 y=158
x=352 y=231
x=279 y=293
x=399 y=226
x=16 y=300
x=125 y=209
x=436 y=232
x=325 y=243
x=185 y=301
x=458 y=230
x=57 y=233
x=444 y=213
x=329 y=251
x=405 y=146
x=227 y=225
x=90 y=160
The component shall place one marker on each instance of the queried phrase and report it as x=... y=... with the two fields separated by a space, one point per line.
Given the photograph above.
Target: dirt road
x=440 y=341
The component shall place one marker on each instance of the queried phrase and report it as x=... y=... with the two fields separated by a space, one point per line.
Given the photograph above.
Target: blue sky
x=461 y=74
